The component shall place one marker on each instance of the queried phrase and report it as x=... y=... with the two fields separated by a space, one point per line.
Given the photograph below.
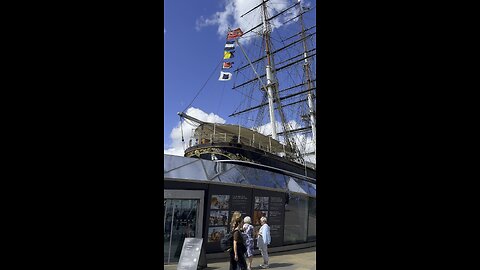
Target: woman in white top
x=263 y=241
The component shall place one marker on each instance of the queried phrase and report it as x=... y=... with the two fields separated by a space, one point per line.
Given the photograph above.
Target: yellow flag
x=227 y=55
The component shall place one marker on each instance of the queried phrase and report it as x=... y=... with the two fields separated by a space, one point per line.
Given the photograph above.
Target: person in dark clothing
x=237 y=257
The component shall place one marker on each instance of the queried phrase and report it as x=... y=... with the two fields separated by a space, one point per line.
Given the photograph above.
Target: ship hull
x=233 y=151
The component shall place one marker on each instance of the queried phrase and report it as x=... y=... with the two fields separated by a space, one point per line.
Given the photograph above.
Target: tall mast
x=269 y=74
x=306 y=67
x=271 y=86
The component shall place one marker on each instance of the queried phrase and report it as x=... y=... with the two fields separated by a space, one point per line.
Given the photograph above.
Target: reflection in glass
x=167 y=228
x=180 y=222
x=280 y=180
x=296 y=220
x=232 y=175
x=264 y=178
x=248 y=173
x=312 y=189
x=176 y=167
x=193 y=170
x=312 y=219
x=293 y=186
x=302 y=184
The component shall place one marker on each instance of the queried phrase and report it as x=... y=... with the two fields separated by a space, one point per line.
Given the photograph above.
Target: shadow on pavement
x=296 y=251
x=274 y=265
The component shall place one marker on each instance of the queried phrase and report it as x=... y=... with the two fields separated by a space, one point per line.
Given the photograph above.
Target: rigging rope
x=215 y=69
x=181 y=129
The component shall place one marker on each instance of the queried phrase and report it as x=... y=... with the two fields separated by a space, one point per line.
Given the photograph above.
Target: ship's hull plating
x=233 y=151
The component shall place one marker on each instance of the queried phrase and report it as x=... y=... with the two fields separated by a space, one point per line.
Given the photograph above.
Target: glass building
x=201 y=195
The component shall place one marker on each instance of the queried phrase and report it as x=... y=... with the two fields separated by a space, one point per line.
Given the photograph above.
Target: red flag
x=227 y=65
x=234 y=34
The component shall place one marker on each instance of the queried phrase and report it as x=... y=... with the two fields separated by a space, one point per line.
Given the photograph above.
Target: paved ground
x=302 y=259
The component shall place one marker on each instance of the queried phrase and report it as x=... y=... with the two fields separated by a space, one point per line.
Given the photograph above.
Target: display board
x=223 y=201
x=272 y=206
x=190 y=254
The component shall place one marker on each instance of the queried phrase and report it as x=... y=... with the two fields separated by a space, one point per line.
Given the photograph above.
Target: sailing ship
x=282 y=81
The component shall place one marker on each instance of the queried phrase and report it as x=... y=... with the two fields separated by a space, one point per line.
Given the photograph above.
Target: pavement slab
x=300 y=259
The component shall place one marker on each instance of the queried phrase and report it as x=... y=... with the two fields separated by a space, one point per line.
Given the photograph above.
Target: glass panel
x=211 y=169
x=231 y=174
x=312 y=219
x=281 y=180
x=184 y=225
x=312 y=189
x=172 y=162
x=264 y=178
x=302 y=184
x=184 y=168
x=205 y=170
x=296 y=220
x=294 y=186
x=167 y=220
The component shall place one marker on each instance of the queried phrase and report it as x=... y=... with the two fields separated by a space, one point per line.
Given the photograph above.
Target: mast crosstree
x=271 y=87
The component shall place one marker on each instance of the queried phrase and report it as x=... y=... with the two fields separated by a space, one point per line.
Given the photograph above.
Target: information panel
x=275 y=219
x=241 y=204
x=190 y=254
x=223 y=201
x=272 y=206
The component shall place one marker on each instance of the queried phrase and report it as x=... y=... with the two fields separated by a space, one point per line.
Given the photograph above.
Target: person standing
x=237 y=257
x=263 y=240
x=248 y=230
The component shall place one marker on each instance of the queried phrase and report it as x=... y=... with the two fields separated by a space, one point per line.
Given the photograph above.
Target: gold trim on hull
x=216 y=151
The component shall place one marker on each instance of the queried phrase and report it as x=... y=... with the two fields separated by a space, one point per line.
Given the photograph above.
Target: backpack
x=245 y=237
x=226 y=242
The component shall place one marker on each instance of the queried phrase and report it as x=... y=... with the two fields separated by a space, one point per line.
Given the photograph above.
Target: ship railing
x=229 y=138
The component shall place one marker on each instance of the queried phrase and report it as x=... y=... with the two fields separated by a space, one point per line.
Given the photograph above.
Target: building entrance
x=183 y=215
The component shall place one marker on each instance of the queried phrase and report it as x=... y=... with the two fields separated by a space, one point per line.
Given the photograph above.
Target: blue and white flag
x=225 y=76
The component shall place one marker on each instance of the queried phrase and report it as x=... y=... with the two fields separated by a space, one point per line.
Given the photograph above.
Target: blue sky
x=190 y=57
x=193 y=47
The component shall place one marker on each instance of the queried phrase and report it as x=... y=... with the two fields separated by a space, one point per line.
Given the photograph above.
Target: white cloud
x=176 y=147
x=304 y=143
x=164 y=30
x=234 y=9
